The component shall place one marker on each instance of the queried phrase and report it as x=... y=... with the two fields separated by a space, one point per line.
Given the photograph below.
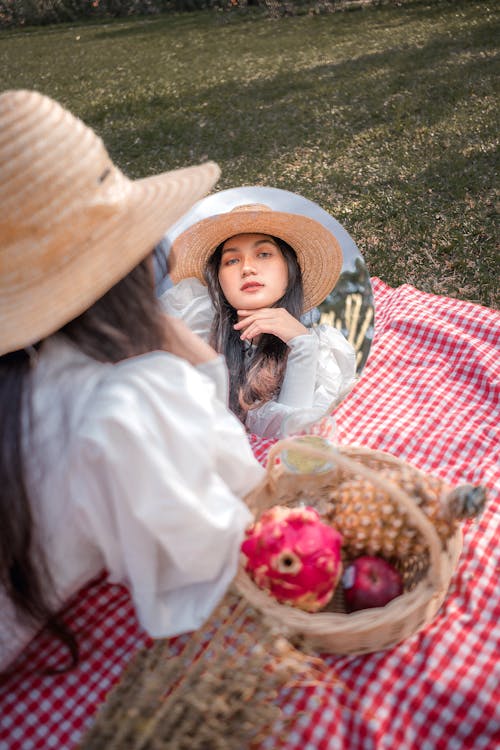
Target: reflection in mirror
x=348 y=307
x=225 y=291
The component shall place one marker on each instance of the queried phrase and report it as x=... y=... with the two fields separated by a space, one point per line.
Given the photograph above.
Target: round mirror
x=349 y=306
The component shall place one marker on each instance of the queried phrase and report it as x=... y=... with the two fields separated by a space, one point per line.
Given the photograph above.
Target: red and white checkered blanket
x=430 y=393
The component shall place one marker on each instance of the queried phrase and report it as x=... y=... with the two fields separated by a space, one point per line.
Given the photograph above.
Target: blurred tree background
x=15 y=13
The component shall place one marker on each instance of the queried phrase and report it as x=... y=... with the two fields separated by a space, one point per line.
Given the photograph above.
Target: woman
x=244 y=280
x=114 y=431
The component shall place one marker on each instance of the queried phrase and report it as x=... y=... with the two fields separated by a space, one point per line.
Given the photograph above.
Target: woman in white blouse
x=117 y=449
x=244 y=279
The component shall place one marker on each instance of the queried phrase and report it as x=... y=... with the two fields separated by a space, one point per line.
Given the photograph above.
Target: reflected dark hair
x=125 y=322
x=258 y=379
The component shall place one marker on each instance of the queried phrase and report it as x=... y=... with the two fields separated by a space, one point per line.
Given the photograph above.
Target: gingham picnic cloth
x=430 y=394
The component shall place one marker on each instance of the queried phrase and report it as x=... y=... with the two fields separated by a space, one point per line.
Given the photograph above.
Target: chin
x=248 y=304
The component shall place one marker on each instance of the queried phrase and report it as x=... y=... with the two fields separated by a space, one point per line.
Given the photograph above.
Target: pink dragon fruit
x=294 y=556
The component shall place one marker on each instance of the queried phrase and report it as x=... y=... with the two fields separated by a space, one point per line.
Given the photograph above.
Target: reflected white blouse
x=138 y=468
x=320 y=371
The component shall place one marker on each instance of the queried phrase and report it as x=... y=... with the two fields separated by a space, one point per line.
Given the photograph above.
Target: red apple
x=370 y=581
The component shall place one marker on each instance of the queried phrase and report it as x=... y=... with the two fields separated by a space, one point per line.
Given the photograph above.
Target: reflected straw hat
x=71 y=223
x=318 y=251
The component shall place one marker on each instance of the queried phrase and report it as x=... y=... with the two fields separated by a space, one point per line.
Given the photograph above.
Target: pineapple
x=371 y=521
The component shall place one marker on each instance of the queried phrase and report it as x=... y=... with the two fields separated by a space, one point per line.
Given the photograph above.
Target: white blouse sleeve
x=189 y=300
x=336 y=373
x=158 y=468
x=321 y=370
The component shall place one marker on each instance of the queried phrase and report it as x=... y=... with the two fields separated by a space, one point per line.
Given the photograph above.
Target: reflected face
x=253 y=272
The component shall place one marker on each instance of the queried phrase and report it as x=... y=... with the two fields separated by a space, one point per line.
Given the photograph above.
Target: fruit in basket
x=371 y=521
x=370 y=581
x=294 y=556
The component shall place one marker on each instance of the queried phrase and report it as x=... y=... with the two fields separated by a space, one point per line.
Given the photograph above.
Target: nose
x=247 y=267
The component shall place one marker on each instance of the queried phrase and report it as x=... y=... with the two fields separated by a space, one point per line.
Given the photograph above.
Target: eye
x=230 y=261
x=265 y=254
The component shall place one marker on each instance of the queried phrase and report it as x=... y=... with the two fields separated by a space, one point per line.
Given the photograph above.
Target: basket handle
x=419 y=519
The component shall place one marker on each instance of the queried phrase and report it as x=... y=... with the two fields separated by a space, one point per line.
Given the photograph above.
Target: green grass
x=386 y=117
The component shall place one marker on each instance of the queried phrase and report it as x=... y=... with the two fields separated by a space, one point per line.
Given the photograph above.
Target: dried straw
x=219 y=692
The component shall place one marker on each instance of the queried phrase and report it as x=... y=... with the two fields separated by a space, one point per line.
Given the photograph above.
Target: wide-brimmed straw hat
x=318 y=251
x=71 y=224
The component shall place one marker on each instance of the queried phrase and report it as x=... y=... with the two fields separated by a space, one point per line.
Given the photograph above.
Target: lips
x=251 y=286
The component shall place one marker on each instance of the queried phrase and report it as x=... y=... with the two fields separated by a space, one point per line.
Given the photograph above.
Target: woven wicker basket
x=370 y=629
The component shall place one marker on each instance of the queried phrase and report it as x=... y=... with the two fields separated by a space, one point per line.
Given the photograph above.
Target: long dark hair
x=126 y=321
x=257 y=379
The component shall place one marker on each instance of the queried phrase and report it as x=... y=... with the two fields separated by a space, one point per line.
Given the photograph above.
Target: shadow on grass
x=329 y=104
x=456 y=174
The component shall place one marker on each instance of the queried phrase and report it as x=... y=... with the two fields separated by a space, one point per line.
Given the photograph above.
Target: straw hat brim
x=96 y=247
x=318 y=251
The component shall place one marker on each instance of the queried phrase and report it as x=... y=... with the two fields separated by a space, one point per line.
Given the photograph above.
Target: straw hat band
x=72 y=225
x=318 y=251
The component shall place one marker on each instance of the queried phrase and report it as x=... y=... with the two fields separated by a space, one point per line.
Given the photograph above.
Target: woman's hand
x=181 y=341
x=275 y=320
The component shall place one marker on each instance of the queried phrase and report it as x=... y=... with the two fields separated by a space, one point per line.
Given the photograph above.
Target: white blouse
x=138 y=468
x=320 y=371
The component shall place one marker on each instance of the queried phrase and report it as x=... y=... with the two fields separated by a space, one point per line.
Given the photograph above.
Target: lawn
x=386 y=117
